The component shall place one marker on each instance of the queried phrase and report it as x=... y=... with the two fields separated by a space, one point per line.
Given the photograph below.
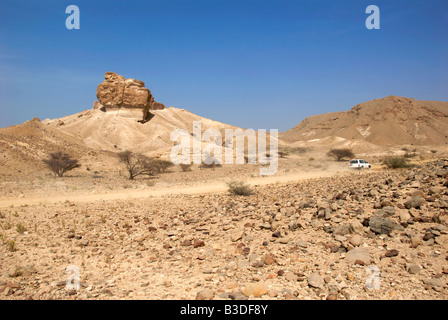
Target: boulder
x=381 y=225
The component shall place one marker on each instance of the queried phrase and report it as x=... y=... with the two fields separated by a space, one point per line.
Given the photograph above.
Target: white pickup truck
x=359 y=164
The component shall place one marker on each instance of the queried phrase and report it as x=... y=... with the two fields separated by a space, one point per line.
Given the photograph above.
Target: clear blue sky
x=251 y=63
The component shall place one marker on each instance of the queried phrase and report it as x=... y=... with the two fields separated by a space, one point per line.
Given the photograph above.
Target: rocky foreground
x=364 y=235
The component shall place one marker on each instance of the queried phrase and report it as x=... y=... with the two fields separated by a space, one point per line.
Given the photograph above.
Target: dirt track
x=210 y=187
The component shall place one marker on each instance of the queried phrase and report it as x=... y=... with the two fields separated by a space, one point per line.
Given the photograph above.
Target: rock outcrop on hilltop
x=128 y=96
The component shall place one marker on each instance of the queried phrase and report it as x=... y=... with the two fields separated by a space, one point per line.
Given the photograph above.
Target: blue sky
x=262 y=64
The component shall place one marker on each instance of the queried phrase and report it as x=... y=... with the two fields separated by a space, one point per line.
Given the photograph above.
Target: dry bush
x=185 y=167
x=410 y=155
x=239 y=188
x=161 y=165
x=138 y=164
x=283 y=154
x=61 y=163
x=298 y=150
x=340 y=154
x=213 y=163
x=210 y=166
x=396 y=162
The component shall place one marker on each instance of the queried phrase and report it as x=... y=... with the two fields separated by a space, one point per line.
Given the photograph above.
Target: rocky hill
x=125 y=117
x=388 y=121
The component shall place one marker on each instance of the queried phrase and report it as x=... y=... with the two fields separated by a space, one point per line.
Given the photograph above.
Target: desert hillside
x=388 y=121
x=23 y=146
x=114 y=132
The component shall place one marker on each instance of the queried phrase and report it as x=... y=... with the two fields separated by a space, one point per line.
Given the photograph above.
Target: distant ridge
x=391 y=120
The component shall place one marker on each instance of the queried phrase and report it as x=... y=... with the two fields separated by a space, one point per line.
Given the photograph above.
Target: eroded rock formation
x=127 y=96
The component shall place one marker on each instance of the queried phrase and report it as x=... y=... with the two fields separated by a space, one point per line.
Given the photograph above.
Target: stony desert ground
x=316 y=230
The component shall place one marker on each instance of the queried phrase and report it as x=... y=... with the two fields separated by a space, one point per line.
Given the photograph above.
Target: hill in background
x=389 y=121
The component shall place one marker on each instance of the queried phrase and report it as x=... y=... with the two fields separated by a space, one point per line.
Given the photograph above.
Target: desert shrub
x=6 y=225
x=214 y=163
x=11 y=245
x=161 y=165
x=299 y=150
x=20 y=228
x=340 y=154
x=185 y=167
x=210 y=166
x=61 y=163
x=137 y=164
x=396 y=162
x=239 y=188
x=410 y=155
x=283 y=154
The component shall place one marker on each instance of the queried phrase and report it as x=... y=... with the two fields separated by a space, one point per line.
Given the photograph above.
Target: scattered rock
x=206 y=294
x=291 y=277
x=315 y=280
x=269 y=259
x=391 y=253
x=414 y=202
x=428 y=236
x=342 y=230
x=185 y=243
x=238 y=235
x=415 y=241
x=382 y=225
x=198 y=243
x=414 y=269
x=357 y=254
x=277 y=234
x=356 y=240
x=255 y=289
x=434 y=282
